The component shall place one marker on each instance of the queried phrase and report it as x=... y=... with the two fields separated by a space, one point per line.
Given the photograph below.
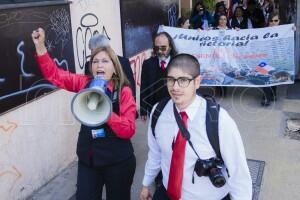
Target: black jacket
x=103 y=151
x=153 y=87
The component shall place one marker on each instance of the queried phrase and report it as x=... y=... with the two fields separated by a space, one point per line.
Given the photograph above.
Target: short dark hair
x=181 y=21
x=173 y=51
x=272 y=15
x=187 y=62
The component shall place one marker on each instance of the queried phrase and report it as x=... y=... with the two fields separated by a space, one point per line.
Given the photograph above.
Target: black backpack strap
x=212 y=121
x=156 y=113
x=212 y=124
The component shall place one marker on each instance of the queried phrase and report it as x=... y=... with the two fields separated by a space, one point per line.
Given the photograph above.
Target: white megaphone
x=91 y=106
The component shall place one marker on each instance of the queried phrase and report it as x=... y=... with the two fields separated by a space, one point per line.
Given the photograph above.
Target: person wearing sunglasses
x=270 y=93
x=170 y=152
x=153 y=87
x=200 y=17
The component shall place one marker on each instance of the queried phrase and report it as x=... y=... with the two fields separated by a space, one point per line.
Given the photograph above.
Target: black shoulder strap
x=114 y=97
x=212 y=121
x=156 y=113
x=212 y=124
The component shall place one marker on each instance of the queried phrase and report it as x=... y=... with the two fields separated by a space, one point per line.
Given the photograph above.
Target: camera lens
x=216 y=177
x=219 y=181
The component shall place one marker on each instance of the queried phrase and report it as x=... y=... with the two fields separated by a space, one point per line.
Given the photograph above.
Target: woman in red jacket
x=107 y=158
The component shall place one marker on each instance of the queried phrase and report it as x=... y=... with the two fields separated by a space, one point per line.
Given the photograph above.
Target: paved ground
x=262 y=130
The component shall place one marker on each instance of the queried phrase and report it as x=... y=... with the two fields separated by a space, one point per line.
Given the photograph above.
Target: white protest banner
x=249 y=57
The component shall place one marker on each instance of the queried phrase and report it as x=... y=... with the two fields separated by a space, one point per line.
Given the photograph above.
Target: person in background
x=222 y=23
x=100 y=40
x=153 y=87
x=200 y=18
x=239 y=20
x=220 y=9
x=239 y=3
x=255 y=14
x=270 y=93
x=183 y=22
x=105 y=153
x=268 y=7
x=170 y=152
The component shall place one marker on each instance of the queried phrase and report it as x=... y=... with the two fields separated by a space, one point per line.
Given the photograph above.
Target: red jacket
x=123 y=125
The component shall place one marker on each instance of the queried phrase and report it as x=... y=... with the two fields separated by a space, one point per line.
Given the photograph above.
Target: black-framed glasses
x=161 y=48
x=182 y=81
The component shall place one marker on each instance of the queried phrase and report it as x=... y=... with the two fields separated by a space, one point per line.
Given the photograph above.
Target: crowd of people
x=243 y=14
x=183 y=159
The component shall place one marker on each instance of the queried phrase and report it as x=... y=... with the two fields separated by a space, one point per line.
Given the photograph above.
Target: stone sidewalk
x=263 y=133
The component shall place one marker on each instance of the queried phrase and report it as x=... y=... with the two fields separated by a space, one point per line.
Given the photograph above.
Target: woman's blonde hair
x=118 y=78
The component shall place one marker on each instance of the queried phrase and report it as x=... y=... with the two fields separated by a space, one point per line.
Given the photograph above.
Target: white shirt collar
x=192 y=109
x=167 y=61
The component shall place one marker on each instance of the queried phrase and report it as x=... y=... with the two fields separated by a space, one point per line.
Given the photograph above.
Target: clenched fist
x=38 y=38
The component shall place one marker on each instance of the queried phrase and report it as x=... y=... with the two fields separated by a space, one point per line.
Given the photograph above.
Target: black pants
x=270 y=93
x=161 y=194
x=117 y=179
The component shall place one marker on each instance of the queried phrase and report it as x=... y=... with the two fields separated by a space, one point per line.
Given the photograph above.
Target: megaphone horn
x=91 y=106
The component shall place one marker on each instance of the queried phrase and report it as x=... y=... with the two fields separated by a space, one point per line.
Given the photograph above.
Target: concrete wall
x=89 y=17
x=37 y=141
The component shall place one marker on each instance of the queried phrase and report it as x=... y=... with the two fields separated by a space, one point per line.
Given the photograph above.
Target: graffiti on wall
x=172 y=15
x=89 y=26
x=20 y=78
x=136 y=63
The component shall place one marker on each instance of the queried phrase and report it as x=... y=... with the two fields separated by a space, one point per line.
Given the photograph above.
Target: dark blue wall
x=140 y=19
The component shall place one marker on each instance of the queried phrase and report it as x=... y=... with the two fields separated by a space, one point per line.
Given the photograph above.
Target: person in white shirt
x=183 y=80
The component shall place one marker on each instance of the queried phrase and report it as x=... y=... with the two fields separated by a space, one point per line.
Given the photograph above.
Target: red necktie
x=177 y=162
x=162 y=64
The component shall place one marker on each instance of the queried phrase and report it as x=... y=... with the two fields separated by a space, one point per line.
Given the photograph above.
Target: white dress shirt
x=238 y=185
x=167 y=61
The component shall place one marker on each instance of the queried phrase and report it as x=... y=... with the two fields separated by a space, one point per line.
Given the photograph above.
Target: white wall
x=97 y=15
x=37 y=141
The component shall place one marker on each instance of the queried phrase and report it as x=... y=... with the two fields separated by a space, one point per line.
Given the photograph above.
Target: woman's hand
x=38 y=38
x=145 y=194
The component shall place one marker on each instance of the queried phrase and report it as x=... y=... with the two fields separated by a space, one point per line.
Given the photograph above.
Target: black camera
x=213 y=169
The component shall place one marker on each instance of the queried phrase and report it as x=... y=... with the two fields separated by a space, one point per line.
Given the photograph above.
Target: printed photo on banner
x=249 y=57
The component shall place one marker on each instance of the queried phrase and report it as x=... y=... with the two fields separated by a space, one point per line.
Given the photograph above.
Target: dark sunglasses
x=162 y=48
x=275 y=20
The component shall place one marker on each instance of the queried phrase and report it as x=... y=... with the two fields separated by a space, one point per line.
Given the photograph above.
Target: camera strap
x=185 y=133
